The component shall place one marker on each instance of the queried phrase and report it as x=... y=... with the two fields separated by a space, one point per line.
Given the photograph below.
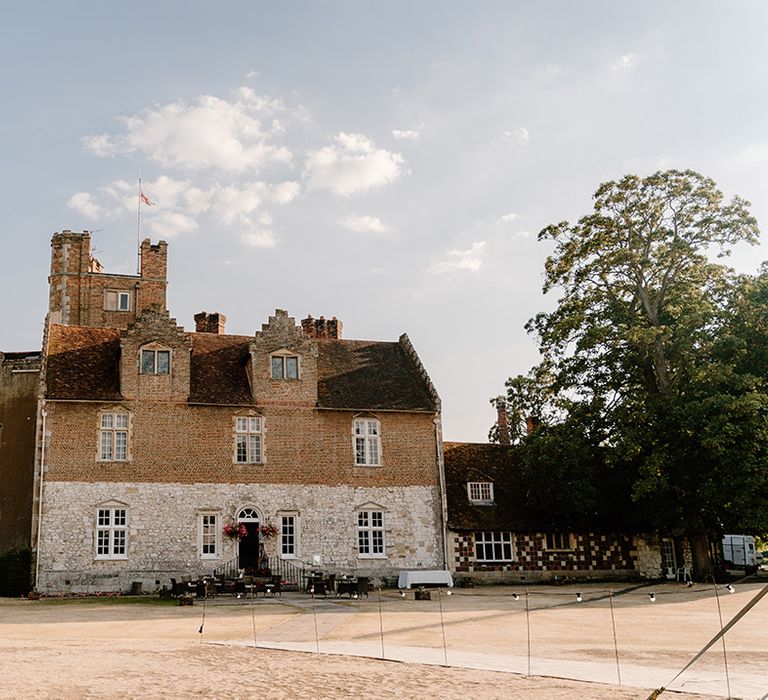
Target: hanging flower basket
x=267 y=532
x=235 y=531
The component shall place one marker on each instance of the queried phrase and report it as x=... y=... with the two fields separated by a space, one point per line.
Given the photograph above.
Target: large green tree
x=667 y=348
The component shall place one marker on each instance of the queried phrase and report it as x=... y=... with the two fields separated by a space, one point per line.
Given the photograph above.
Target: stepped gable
x=218 y=369
x=83 y=363
x=370 y=375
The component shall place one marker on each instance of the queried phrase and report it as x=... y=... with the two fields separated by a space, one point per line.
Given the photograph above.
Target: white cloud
x=236 y=203
x=169 y=224
x=470 y=259
x=83 y=203
x=258 y=238
x=411 y=134
x=209 y=133
x=352 y=164
x=363 y=224
x=507 y=218
x=252 y=74
x=625 y=62
x=522 y=234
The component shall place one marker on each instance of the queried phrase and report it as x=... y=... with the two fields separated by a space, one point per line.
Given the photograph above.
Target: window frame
x=493 y=539
x=371 y=531
x=118 y=295
x=155 y=364
x=289 y=532
x=111 y=528
x=367 y=439
x=111 y=432
x=480 y=486
x=557 y=537
x=284 y=356
x=207 y=529
x=249 y=434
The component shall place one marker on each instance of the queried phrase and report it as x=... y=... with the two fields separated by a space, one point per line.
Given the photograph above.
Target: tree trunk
x=702 y=561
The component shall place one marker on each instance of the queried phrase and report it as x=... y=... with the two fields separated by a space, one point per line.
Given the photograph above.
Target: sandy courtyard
x=74 y=649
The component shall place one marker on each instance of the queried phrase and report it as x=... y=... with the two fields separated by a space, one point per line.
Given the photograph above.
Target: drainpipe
x=443 y=495
x=44 y=413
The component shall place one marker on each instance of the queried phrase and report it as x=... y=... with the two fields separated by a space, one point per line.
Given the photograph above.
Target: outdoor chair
x=249 y=586
x=177 y=588
x=363 y=585
x=317 y=587
x=276 y=586
x=330 y=583
x=684 y=573
x=210 y=589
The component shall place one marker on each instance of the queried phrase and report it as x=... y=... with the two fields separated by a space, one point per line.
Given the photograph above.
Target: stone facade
x=163 y=529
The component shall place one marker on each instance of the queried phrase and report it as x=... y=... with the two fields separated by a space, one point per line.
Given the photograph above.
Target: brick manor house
x=151 y=439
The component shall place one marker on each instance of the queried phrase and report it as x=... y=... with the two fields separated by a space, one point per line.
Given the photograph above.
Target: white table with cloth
x=424 y=577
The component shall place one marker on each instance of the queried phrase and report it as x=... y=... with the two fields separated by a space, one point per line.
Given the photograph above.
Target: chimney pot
x=322 y=328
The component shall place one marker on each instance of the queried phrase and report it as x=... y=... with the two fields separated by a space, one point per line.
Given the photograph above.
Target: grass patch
x=111 y=600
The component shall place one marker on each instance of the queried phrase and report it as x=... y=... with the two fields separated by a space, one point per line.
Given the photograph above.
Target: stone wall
x=163 y=529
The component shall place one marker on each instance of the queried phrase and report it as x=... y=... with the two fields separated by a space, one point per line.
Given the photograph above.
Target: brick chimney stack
x=501 y=413
x=322 y=328
x=210 y=323
x=531 y=423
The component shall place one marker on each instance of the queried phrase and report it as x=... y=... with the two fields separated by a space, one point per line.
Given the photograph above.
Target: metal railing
x=291 y=573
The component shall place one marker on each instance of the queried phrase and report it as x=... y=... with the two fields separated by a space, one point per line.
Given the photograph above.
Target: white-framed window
x=113 y=437
x=209 y=535
x=367 y=442
x=370 y=534
x=115 y=300
x=480 y=492
x=249 y=439
x=559 y=540
x=155 y=361
x=493 y=546
x=288 y=536
x=112 y=532
x=285 y=366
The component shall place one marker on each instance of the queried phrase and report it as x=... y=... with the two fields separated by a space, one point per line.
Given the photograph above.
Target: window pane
x=373 y=446
x=255 y=425
x=373 y=427
x=292 y=367
x=277 y=368
x=119 y=542
x=121 y=420
x=242 y=448
x=242 y=425
x=102 y=542
x=121 y=445
x=119 y=517
x=110 y=301
x=255 y=448
x=103 y=517
x=377 y=518
x=148 y=361
x=360 y=450
x=359 y=426
x=124 y=303
x=363 y=541
x=378 y=542
x=163 y=361
x=106 y=444
x=362 y=518
x=107 y=420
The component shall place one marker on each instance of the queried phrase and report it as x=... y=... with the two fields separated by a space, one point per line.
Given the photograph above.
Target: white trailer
x=740 y=551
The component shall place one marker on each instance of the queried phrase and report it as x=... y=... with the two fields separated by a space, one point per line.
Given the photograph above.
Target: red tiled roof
x=83 y=363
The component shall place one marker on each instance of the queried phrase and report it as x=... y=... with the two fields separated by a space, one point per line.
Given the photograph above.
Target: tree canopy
x=658 y=353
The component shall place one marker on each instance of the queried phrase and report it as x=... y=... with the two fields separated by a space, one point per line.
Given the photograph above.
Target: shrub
x=16 y=572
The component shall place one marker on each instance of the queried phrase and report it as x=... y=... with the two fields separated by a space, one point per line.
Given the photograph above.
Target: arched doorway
x=248 y=547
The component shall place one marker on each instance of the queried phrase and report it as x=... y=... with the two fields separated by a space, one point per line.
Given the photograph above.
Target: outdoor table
x=421 y=577
x=346 y=585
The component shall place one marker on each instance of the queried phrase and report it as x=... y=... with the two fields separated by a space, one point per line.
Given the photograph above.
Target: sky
x=390 y=164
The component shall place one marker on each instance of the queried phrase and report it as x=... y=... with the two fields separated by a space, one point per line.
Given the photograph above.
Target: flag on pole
x=146 y=199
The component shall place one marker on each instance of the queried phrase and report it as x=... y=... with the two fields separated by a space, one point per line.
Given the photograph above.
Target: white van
x=740 y=551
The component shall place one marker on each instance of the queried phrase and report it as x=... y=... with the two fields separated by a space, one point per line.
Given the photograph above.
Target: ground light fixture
x=402 y=594
x=730 y=588
x=516 y=596
x=578 y=597
x=449 y=593
x=652 y=597
x=689 y=584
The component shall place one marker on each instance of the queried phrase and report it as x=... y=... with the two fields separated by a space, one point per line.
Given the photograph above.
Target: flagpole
x=138 y=231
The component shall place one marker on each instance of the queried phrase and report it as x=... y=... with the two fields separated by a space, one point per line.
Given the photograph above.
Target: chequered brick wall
x=591 y=552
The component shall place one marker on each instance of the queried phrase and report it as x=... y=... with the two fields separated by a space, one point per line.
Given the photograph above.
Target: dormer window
x=155 y=361
x=285 y=366
x=115 y=300
x=480 y=492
